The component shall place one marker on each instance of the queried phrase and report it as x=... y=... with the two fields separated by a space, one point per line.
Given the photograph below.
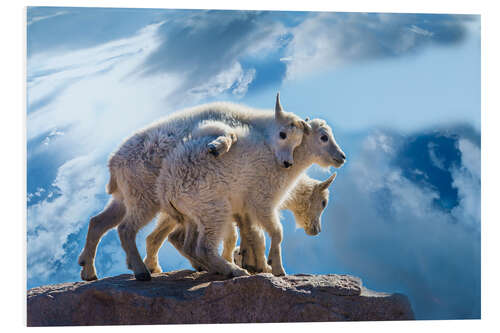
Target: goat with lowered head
x=307 y=201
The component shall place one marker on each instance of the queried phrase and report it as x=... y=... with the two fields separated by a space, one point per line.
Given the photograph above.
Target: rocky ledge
x=188 y=297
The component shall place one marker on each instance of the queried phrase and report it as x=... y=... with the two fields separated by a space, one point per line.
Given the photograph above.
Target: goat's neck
x=290 y=202
x=302 y=159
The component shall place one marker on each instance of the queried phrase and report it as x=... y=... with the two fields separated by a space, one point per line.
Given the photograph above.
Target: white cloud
x=101 y=103
x=471 y=157
x=34 y=19
x=420 y=31
x=326 y=40
x=312 y=46
x=244 y=81
x=78 y=182
x=234 y=79
x=467 y=181
x=98 y=86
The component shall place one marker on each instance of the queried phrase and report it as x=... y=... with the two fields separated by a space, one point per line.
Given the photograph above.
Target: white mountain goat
x=197 y=188
x=307 y=201
x=135 y=166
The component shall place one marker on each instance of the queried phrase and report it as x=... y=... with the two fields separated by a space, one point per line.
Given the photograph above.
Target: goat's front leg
x=271 y=223
x=155 y=240
x=230 y=239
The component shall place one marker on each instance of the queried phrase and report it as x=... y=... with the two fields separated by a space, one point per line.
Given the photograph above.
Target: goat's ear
x=324 y=185
x=307 y=127
x=278 y=110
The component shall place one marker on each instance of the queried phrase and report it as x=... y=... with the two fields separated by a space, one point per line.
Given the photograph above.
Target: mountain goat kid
x=208 y=192
x=307 y=201
x=135 y=166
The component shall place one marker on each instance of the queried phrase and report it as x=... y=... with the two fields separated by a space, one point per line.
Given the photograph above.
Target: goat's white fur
x=307 y=201
x=135 y=166
x=245 y=181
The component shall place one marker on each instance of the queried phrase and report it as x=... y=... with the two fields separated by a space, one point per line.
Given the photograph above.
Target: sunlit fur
x=245 y=181
x=135 y=166
x=307 y=201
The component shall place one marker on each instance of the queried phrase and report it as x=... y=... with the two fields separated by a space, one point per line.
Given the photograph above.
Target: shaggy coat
x=307 y=201
x=199 y=189
x=135 y=166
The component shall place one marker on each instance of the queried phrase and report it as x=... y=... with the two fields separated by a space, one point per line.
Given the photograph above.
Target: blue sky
x=401 y=91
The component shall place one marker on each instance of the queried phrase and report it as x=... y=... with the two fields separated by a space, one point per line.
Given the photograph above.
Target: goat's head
x=322 y=146
x=309 y=217
x=287 y=134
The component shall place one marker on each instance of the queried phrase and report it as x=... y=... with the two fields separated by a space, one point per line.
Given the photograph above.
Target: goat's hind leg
x=189 y=247
x=133 y=221
x=155 y=240
x=246 y=250
x=252 y=246
x=221 y=144
x=177 y=239
x=257 y=244
x=225 y=136
x=109 y=218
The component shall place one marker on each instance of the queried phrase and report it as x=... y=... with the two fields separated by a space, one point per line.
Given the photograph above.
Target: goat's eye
x=283 y=135
x=323 y=203
x=292 y=125
x=324 y=138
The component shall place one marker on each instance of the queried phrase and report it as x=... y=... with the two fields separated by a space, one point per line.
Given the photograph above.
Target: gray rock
x=187 y=297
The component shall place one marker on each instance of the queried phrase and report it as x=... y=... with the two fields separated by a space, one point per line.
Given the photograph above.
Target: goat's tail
x=112 y=185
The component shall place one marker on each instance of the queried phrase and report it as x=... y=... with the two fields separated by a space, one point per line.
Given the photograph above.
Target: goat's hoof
x=250 y=268
x=81 y=259
x=88 y=276
x=279 y=272
x=155 y=270
x=212 y=149
x=267 y=269
x=91 y=278
x=238 y=272
x=146 y=276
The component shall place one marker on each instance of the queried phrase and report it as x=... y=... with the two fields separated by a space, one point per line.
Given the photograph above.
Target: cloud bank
x=325 y=40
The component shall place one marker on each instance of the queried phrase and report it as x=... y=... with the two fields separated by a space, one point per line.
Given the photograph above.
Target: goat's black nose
x=342 y=155
x=287 y=164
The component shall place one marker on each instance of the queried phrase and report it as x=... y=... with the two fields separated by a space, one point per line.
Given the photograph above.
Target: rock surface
x=187 y=297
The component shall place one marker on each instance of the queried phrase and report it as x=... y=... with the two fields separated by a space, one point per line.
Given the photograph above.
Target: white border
x=13 y=194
